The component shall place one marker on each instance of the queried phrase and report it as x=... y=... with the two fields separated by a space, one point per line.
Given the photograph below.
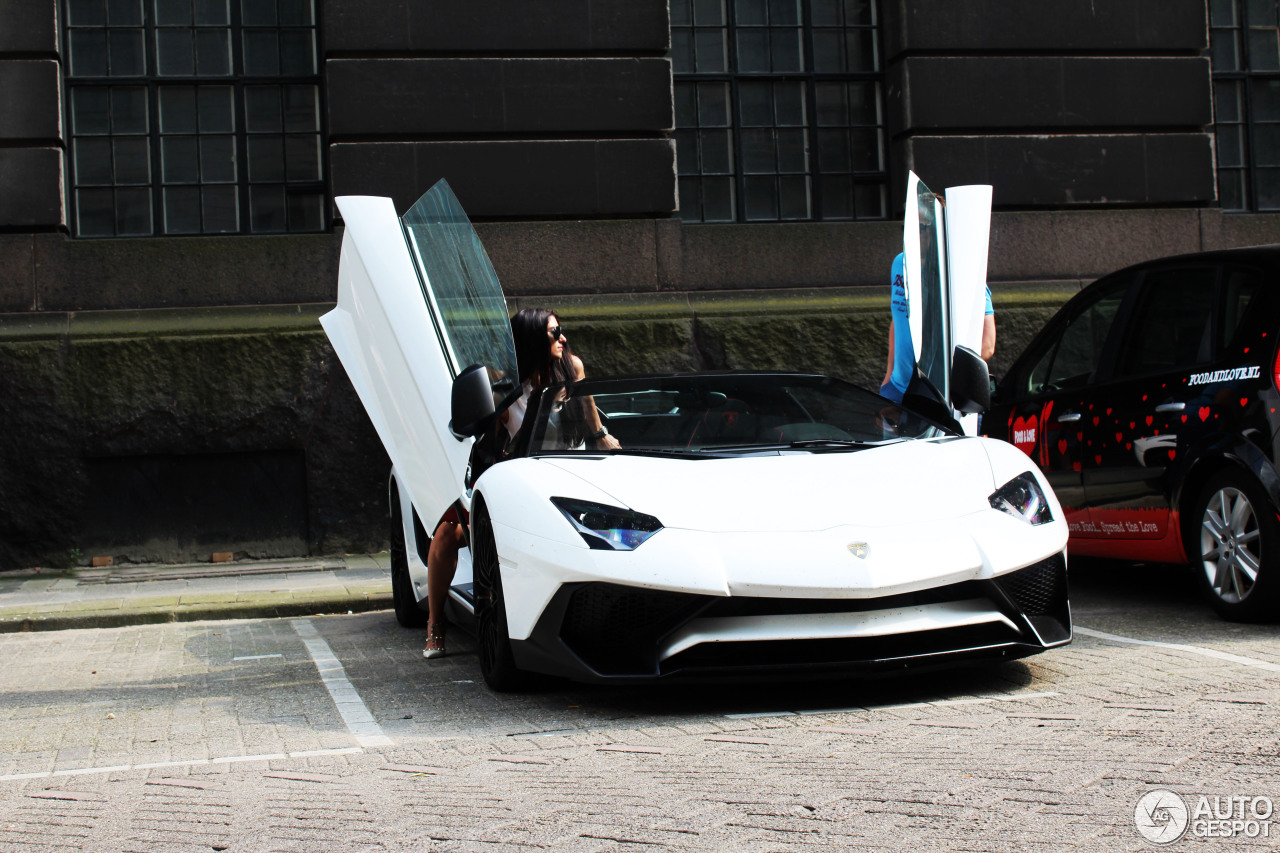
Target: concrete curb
x=318 y=606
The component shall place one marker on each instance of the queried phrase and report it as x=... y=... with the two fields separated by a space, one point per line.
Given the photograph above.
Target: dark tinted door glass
x=1072 y=359
x=1172 y=326
x=1239 y=289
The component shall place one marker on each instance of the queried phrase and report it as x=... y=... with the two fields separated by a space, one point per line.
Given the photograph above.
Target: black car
x=1150 y=403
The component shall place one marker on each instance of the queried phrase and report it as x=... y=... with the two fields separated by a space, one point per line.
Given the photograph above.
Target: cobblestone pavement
x=333 y=734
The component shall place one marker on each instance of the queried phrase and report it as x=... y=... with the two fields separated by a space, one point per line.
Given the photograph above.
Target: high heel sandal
x=435 y=641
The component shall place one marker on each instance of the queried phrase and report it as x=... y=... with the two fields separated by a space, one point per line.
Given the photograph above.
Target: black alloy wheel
x=1235 y=546
x=408 y=612
x=497 y=664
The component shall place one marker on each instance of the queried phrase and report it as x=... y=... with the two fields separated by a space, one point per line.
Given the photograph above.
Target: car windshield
x=726 y=413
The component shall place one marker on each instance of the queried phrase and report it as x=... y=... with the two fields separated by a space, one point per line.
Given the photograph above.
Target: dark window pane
x=861 y=49
x=788 y=101
x=1268 y=189
x=301 y=111
x=793 y=154
x=1264 y=50
x=825 y=13
x=212 y=13
x=755 y=104
x=217 y=159
x=133 y=211
x=717 y=199
x=266 y=158
x=837 y=198
x=1231 y=190
x=828 y=51
x=216 y=112
x=681 y=13
x=1222 y=13
x=297 y=53
x=93 y=162
x=127 y=56
x=266 y=209
x=213 y=53
x=866 y=150
x=124 y=13
x=86 y=13
x=686 y=152
x=258 y=13
x=173 y=53
x=306 y=211
x=302 y=157
x=784 y=12
x=262 y=109
x=869 y=201
x=88 y=53
x=793 y=197
x=833 y=111
x=90 y=110
x=833 y=152
x=758 y=155
x=180 y=160
x=686 y=98
x=1224 y=50
x=708 y=13
x=1230 y=143
x=297 y=13
x=220 y=207
x=710 y=46
x=173 y=13
x=860 y=13
x=133 y=160
x=751 y=13
x=261 y=53
x=717 y=153
x=1266 y=99
x=95 y=213
x=129 y=109
x=688 y=201
x=182 y=210
x=786 y=50
x=713 y=105
x=1171 y=330
x=682 y=51
x=178 y=109
x=761 y=198
x=1226 y=101
x=1262 y=13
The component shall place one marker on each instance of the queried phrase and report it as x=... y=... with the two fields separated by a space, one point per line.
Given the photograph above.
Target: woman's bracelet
x=600 y=433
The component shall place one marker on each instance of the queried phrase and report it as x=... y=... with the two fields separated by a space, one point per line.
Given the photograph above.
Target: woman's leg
x=442 y=562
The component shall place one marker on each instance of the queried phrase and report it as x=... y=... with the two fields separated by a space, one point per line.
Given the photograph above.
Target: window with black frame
x=193 y=117
x=1245 y=49
x=778 y=110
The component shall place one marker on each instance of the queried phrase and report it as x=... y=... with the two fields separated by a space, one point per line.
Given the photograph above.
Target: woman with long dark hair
x=543 y=358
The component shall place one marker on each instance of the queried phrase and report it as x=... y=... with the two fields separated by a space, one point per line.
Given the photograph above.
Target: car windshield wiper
x=829 y=442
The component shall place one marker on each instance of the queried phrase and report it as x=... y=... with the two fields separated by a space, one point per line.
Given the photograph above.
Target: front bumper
x=608 y=632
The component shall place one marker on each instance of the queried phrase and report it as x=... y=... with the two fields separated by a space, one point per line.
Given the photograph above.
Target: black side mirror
x=923 y=398
x=970 y=382
x=472 y=407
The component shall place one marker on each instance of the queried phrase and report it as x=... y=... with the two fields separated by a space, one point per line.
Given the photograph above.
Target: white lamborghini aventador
x=750 y=524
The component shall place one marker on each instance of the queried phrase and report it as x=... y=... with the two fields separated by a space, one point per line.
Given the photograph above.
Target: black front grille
x=1039 y=589
x=616 y=628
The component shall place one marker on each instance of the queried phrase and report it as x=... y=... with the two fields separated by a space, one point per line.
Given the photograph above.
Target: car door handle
x=1171 y=407
x=1069 y=418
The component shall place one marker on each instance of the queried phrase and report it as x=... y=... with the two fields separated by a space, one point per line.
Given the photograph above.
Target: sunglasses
x=555 y=332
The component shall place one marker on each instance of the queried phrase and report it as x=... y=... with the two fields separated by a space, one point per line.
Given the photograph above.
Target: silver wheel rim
x=1230 y=545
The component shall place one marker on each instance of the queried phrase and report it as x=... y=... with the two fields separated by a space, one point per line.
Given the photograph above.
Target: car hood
x=882 y=486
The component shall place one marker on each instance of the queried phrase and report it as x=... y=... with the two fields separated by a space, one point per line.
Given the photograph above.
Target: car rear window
x=1172 y=326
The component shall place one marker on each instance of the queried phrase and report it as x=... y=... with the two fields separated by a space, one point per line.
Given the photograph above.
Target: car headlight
x=608 y=528
x=1023 y=498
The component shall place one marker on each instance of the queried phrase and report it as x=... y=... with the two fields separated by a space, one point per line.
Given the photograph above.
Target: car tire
x=1234 y=537
x=409 y=612
x=497 y=663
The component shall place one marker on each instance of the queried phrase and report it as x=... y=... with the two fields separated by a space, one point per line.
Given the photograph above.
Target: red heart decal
x=1144 y=398
x=1172 y=453
x=1095 y=421
x=1244 y=401
x=1128 y=445
x=1246 y=349
x=1132 y=424
x=1108 y=411
x=1062 y=444
x=1097 y=458
x=1119 y=436
x=1024 y=434
x=1149 y=420
x=1075 y=466
x=1204 y=413
x=1184 y=419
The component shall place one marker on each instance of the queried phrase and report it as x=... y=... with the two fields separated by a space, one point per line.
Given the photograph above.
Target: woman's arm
x=606 y=441
x=888 y=373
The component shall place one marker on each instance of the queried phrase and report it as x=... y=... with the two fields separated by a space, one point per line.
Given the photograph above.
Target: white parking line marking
x=359 y=721
x=258 y=657
x=193 y=762
x=1180 y=647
